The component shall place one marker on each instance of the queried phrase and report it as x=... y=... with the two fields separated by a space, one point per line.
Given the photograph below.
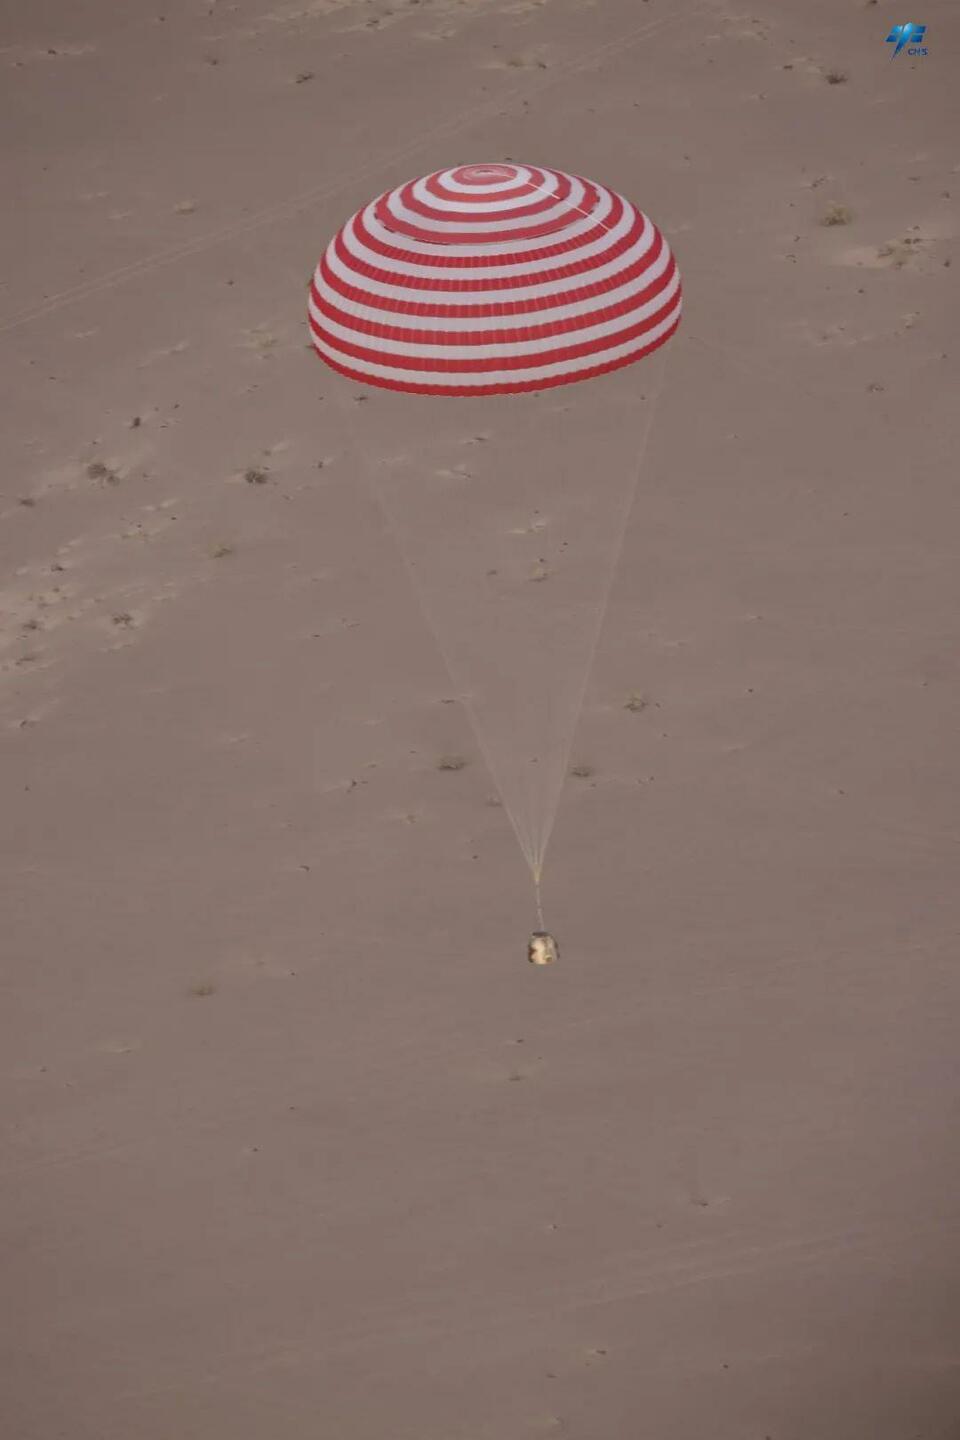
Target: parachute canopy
x=493 y=279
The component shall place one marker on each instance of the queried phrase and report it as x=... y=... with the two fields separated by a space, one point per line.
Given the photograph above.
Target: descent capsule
x=542 y=948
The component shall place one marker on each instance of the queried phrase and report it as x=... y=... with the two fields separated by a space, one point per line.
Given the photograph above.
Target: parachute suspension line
x=536 y=891
x=569 y=205
x=550 y=819
x=532 y=826
x=375 y=491
x=544 y=828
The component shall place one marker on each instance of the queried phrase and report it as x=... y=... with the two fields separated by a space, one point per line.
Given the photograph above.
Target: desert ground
x=297 y=1146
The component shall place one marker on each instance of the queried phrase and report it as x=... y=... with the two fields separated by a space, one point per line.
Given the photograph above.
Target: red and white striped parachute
x=493 y=279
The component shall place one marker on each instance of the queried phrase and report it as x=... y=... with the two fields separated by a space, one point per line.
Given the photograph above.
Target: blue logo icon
x=909 y=36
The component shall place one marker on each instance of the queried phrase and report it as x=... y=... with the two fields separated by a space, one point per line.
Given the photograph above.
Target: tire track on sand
x=286 y=209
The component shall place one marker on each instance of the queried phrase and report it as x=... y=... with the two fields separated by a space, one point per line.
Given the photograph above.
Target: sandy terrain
x=297 y=1145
